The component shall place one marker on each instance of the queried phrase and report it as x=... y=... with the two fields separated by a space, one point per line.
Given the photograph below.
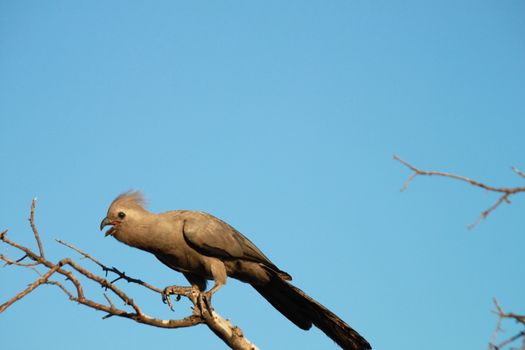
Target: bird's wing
x=211 y=236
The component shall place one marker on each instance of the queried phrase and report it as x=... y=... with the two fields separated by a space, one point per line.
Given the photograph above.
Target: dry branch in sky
x=202 y=313
x=493 y=345
x=506 y=192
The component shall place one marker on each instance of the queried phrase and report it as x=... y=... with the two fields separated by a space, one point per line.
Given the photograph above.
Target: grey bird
x=204 y=247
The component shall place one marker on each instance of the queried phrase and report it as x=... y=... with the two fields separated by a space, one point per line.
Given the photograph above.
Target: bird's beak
x=104 y=223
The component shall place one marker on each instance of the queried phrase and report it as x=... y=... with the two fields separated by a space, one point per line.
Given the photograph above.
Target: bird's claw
x=175 y=290
x=166 y=297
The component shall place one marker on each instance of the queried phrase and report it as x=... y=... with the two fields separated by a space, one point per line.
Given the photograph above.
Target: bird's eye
x=121 y=215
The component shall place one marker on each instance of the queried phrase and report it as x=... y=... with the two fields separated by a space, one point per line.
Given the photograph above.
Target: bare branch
x=501 y=317
x=61 y=286
x=202 y=311
x=517 y=171
x=486 y=213
x=29 y=289
x=229 y=333
x=505 y=194
x=505 y=191
x=33 y=227
x=109 y=301
x=122 y=275
x=502 y=314
x=17 y=262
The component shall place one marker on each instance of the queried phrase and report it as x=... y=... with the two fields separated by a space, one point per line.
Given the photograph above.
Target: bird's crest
x=130 y=199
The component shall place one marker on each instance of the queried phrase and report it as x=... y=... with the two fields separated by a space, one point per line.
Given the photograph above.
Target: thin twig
x=29 y=289
x=109 y=301
x=61 y=286
x=485 y=213
x=122 y=275
x=519 y=172
x=502 y=316
x=497 y=330
x=510 y=340
x=18 y=262
x=505 y=191
x=33 y=227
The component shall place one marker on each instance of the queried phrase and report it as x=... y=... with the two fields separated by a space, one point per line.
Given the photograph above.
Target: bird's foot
x=178 y=291
x=205 y=301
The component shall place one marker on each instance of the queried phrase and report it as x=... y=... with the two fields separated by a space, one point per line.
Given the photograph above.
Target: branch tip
x=505 y=192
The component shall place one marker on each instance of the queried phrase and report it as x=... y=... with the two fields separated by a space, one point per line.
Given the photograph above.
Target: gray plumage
x=204 y=247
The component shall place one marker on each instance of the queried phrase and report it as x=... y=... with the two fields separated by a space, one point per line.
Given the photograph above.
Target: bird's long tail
x=304 y=311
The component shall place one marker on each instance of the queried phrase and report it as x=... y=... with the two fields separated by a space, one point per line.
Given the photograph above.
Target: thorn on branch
x=122 y=275
x=9 y=262
x=22 y=258
x=116 y=279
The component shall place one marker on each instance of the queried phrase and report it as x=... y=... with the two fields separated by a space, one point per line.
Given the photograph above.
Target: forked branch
x=494 y=344
x=505 y=192
x=202 y=311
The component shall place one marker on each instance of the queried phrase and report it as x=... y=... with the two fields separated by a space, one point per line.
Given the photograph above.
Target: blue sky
x=282 y=119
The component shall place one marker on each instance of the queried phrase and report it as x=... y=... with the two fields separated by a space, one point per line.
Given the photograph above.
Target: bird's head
x=125 y=211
